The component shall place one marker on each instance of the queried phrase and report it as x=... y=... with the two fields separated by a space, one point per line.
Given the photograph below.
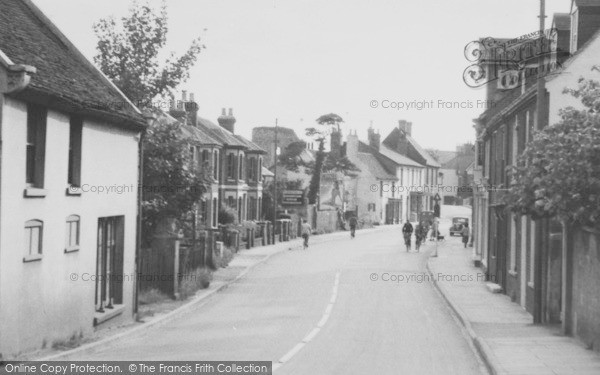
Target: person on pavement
x=407 y=230
x=420 y=235
x=465 y=234
x=306 y=231
x=353 y=222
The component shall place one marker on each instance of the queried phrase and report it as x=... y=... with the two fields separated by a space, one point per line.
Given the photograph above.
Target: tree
x=290 y=157
x=327 y=124
x=269 y=192
x=172 y=186
x=559 y=172
x=128 y=53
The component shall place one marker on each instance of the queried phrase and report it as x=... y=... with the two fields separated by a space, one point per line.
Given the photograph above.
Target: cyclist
x=353 y=222
x=407 y=230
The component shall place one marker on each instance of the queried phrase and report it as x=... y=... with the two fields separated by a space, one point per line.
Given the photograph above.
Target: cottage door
x=109 y=263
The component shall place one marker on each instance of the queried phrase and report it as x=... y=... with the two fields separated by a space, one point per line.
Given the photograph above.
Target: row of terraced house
x=551 y=269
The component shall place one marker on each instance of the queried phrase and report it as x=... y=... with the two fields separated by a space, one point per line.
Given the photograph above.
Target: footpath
x=243 y=262
x=501 y=330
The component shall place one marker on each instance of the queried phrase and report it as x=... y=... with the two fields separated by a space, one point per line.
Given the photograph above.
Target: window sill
x=32 y=192
x=101 y=317
x=32 y=258
x=71 y=249
x=73 y=191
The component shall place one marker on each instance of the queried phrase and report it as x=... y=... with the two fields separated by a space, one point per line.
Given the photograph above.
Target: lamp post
x=275 y=183
x=540 y=107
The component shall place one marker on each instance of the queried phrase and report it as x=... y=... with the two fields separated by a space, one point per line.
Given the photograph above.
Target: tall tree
x=559 y=172
x=128 y=53
x=327 y=123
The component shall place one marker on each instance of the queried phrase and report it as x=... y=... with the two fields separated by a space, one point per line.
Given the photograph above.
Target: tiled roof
x=65 y=79
x=398 y=158
x=430 y=159
x=267 y=173
x=587 y=3
x=444 y=157
x=368 y=162
x=221 y=136
x=562 y=21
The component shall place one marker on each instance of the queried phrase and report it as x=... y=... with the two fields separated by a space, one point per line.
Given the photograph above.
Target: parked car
x=457 y=225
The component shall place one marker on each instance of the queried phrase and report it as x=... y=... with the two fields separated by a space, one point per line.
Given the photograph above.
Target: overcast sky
x=298 y=59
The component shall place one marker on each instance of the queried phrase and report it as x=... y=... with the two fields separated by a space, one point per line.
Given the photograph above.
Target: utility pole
x=541 y=111
x=275 y=184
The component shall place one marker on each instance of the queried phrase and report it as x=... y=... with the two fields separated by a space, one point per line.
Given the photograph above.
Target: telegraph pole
x=275 y=184
x=541 y=112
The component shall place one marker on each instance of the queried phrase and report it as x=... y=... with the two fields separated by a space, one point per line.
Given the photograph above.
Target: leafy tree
x=128 y=53
x=172 y=186
x=327 y=123
x=269 y=192
x=290 y=157
x=559 y=172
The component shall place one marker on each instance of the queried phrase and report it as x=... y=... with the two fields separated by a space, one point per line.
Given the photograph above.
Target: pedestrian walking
x=465 y=234
x=353 y=222
x=420 y=235
x=306 y=231
x=407 y=231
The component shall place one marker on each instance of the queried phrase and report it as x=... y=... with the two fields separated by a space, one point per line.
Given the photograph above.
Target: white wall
x=39 y=303
x=581 y=66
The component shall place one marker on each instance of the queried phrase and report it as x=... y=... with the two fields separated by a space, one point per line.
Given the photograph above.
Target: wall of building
x=586 y=287
x=53 y=298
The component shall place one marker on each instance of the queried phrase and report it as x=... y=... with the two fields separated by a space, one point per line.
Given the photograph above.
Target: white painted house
x=68 y=188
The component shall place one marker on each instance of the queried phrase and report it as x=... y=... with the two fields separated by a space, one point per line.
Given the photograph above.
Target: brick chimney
x=336 y=142
x=352 y=146
x=227 y=121
x=405 y=128
x=191 y=110
x=374 y=138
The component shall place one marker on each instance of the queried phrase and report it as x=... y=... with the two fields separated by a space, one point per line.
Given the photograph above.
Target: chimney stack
x=405 y=126
x=227 y=122
x=374 y=138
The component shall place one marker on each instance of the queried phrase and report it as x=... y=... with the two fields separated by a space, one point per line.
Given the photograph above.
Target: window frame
x=70 y=248
x=75 y=138
x=34 y=256
x=35 y=160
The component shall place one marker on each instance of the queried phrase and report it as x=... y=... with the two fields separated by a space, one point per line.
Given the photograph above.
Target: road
x=340 y=297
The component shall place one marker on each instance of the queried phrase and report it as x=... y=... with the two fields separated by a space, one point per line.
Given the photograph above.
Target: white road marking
x=312 y=334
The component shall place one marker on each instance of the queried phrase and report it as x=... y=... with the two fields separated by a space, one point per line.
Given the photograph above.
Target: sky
x=371 y=62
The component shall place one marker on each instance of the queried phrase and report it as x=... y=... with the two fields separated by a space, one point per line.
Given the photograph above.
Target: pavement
x=343 y=306
x=501 y=330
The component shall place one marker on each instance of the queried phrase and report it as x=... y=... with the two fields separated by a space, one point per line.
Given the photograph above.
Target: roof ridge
x=73 y=49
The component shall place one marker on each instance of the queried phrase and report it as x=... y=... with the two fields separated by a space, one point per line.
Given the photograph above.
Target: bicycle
x=407 y=241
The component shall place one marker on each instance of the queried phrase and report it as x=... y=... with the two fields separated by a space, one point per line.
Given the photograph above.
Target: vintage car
x=457 y=225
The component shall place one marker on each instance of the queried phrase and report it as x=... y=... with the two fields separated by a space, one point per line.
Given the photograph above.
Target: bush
x=227 y=215
x=200 y=278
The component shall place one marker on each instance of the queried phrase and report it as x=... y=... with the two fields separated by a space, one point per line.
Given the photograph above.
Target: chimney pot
x=191 y=97
x=183 y=96
x=223 y=112
x=230 y=111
